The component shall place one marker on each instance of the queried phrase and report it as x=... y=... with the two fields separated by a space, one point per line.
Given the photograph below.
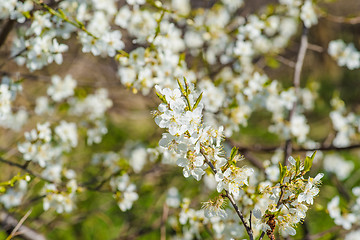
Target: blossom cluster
x=344 y=54
x=287 y=202
x=198 y=146
x=346 y=218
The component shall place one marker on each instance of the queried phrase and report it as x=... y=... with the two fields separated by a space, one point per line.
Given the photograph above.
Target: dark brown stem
x=262 y=235
x=231 y=199
x=24 y=168
x=6 y=30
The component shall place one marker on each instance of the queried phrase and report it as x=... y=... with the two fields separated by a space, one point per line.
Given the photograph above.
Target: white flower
x=273 y=173
x=113 y=42
x=173 y=198
x=309 y=193
x=299 y=128
x=5 y=97
x=354 y=235
x=345 y=55
x=126 y=194
x=44 y=131
x=308 y=15
x=61 y=89
x=338 y=165
x=67 y=132
x=138 y=159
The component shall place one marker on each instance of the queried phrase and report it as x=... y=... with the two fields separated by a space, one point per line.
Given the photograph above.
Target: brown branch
x=8 y=222
x=231 y=199
x=286 y=61
x=321 y=234
x=296 y=82
x=315 y=48
x=341 y=189
x=265 y=149
x=253 y=160
x=338 y=19
x=262 y=235
x=24 y=168
x=6 y=30
x=163 y=222
x=20 y=223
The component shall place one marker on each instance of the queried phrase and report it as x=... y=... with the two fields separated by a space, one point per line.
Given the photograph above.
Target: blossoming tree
x=253 y=151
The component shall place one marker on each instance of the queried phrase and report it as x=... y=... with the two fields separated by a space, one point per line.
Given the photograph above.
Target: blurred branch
x=8 y=222
x=24 y=168
x=163 y=221
x=285 y=61
x=319 y=235
x=20 y=223
x=231 y=199
x=297 y=74
x=258 y=148
x=347 y=20
x=6 y=30
x=315 y=48
x=340 y=187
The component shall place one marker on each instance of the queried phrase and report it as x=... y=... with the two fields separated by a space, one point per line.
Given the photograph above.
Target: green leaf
x=282 y=172
x=308 y=162
x=26 y=14
x=62 y=13
x=197 y=101
x=272 y=62
x=297 y=166
x=181 y=87
x=187 y=90
x=233 y=153
x=161 y=97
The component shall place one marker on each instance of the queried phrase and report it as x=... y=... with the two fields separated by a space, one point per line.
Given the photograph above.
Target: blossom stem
x=62 y=16
x=231 y=199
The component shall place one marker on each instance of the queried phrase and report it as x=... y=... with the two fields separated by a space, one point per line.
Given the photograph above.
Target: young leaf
x=233 y=153
x=282 y=172
x=181 y=87
x=161 y=97
x=297 y=166
x=197 y=101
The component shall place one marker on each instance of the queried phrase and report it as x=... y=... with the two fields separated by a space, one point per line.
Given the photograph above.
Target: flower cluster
x=125 y=193
x=288 y=201
x=62 y=200
x=345 y=55
x=14 y=196
x=346 y=218
x=198 y=146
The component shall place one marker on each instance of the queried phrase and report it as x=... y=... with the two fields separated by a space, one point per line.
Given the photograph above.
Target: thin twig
x=286 y=61
x=231 y=199
x=265 y=149
x=24 y=168
x=9 y=222
x=296 y=82
x=20 y=223
x=163 y=222
x=262 y=235
x=6 y=30
x=338 y=19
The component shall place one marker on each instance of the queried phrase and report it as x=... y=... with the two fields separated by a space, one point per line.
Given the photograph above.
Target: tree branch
x=231 y=199
x=265 y=149
x=297 y=74
x=8 y=222
x=24 y=168
x=6 y=30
